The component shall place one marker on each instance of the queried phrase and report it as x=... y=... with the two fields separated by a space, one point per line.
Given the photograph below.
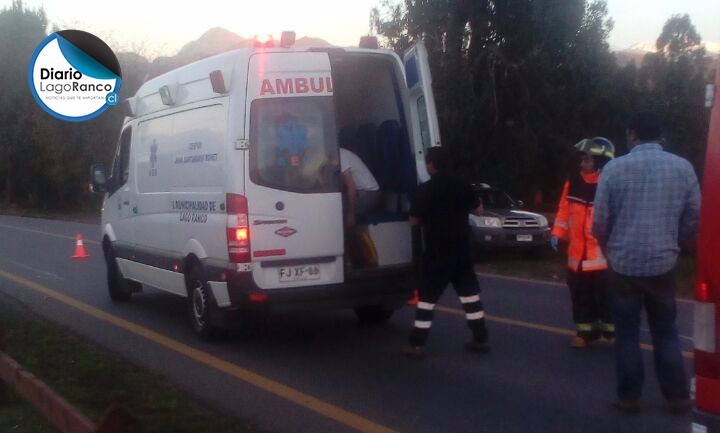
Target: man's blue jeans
x=627 y=296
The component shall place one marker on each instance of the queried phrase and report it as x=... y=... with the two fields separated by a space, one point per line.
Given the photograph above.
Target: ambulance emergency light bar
x=370 y=42
x=287 y=40
x=129 y=106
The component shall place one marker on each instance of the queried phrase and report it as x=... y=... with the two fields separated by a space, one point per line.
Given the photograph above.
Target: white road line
x=22 y=229
x=545 y=283
x=39 y=271
x=684 y=337
x=520 y=279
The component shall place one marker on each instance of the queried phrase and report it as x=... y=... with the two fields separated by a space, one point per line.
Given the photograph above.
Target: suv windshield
x=494 y=199
x=293 y=145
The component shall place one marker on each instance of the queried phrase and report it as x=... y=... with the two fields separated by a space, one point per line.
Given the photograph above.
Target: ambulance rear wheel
x=370 y=314
x=119 y=287
x=199 y=303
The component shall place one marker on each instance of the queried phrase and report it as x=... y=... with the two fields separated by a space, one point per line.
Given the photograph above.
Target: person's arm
x=602 y=211
x=562 y=218
x=691 y=213
x=471 y=200
x=417 y=209
x=352 y=193
x=561 y=227
x=479 y=210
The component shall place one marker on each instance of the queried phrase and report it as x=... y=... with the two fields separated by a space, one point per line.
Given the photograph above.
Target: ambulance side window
x=121 y=164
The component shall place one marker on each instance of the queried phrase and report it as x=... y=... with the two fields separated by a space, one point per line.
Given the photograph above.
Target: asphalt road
x=322 y=372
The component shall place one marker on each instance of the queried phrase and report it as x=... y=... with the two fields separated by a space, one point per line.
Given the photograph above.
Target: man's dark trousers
x=439 y=271
x=628 y=294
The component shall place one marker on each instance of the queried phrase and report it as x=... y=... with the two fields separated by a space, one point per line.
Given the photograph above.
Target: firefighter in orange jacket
x=587 y=266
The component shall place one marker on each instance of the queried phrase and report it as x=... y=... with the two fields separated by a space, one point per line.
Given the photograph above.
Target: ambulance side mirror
x=98 y=178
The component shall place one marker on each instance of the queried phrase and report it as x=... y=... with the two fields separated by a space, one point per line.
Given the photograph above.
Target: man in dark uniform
x=441 y=206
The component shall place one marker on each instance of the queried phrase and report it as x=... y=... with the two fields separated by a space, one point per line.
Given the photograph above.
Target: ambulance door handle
x=126 y=203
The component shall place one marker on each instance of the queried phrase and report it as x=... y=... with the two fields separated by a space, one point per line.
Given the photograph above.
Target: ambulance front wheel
x=119 y=288
x=373 y=314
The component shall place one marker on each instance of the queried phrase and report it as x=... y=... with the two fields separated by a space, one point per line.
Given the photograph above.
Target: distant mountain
x=214 y=41
x=637 y=51
x=312 y=42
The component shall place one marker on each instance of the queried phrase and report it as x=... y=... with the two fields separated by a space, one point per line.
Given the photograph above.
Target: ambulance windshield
x=293 y=144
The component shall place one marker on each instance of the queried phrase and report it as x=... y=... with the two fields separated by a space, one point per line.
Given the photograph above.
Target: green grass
x=18 y=416
x=551 y=266
x=91 y=378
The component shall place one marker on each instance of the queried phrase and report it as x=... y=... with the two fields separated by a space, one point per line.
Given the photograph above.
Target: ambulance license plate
x=524 y=238
x=289 y=274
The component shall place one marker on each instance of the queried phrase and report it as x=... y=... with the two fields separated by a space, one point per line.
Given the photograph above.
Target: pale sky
x=162 y=28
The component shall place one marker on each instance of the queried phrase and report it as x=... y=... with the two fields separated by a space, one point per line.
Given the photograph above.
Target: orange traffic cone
x=415 y=298
x=80 y=252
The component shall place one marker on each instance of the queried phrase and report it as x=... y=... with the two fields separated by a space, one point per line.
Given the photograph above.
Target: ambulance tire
x=371 y=314
x=119 y=288
x=199 y=302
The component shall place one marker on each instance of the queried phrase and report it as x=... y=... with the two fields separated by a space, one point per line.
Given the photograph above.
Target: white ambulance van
x=226 y=186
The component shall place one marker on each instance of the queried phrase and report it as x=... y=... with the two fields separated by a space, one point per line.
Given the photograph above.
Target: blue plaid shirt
x=646 y=202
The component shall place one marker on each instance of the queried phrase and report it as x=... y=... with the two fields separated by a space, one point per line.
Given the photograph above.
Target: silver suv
x=504 y=224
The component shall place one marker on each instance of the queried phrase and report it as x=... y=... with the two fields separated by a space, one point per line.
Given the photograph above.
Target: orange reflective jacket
x=574 y=222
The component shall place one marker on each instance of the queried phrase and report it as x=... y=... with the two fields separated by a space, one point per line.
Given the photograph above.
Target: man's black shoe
x=478 y=346
x=680 y=405
x=414 y=352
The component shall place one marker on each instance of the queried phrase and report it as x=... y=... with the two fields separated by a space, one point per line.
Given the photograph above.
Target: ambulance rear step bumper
x=388 y=287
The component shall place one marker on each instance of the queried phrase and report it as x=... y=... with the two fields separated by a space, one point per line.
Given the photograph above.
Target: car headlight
x=483 y=221
x=542 y=221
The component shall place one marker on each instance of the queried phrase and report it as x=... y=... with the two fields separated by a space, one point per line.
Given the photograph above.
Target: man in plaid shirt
x=647 y=203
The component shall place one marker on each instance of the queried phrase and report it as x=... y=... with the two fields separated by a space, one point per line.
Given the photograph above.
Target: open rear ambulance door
x=425 y=129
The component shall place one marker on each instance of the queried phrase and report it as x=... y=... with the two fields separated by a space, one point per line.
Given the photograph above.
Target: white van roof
x=184 y=85
x=192 y=83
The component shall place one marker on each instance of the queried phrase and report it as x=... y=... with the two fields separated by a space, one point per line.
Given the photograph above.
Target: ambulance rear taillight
x=706 y=324
x=238 y=229
x=707 y=347
x=701 y=292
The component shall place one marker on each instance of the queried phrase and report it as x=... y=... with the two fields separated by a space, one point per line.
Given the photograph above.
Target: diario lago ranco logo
x=74 y=75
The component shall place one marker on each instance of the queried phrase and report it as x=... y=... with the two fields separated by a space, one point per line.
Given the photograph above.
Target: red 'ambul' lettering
x=318 y=87
x=266 y=88
x=290 y=86
x=284 y=87
x=301 y=85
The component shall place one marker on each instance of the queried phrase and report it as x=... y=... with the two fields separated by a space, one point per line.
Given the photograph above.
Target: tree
x=517 y=82
x=44 y=161
x=21 y=30
x=679 y=38
x=672 y=82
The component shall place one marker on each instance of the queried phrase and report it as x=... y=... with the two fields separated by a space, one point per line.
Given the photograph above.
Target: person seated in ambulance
x=361 y=189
